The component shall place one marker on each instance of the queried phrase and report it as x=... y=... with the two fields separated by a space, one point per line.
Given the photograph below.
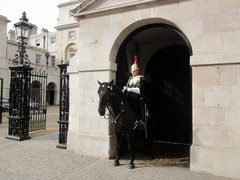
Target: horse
x=123 y=116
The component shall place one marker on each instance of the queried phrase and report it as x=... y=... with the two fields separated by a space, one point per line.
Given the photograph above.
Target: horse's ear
x=99 y=82
x=111 y=83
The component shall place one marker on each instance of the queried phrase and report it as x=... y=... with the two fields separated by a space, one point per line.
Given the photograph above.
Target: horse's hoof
x=131 y=166
x=116 y=163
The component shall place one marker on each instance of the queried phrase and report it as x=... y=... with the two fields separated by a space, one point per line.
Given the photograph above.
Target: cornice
x=4 y=19
x=11 y=42
x=80 y=13
x=67 y=26
x=27 y=46
x=69 y=3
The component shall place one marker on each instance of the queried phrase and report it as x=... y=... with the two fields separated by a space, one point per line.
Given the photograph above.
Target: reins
x=114 y=118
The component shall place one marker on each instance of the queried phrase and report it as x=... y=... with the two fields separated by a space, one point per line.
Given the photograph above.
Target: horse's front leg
x=118 y=150
x=131 y=149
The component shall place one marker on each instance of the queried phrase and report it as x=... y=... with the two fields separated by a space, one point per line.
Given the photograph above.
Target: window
x=72 y=35
x=38 y=58
x=53 y=40
x=53 y=60
x=37 y=42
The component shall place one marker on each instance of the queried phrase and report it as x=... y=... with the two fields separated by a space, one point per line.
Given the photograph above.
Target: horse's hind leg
x=131 y=150
x=118 y=150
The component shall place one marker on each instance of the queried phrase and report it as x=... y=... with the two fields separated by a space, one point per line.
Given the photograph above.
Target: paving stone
x=38 y=158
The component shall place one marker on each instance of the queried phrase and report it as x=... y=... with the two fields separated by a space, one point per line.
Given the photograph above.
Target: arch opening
x=51 y=93
x=70 y=51
x=164 y=58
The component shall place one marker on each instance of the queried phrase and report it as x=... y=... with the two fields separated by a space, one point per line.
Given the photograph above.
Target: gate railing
x=38 y=103
x=18 y=126
x=64 y=106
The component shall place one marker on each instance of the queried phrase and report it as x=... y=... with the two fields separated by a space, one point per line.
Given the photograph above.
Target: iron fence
x=38 y=103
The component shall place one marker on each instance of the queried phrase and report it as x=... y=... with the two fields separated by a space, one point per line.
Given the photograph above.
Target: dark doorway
x=51 y=101
x=51 y=93
x=164 y=59
x=170 y=94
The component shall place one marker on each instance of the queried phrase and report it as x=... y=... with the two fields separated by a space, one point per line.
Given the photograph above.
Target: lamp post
x=22 y=31
x=47 y=56
x=19 y=116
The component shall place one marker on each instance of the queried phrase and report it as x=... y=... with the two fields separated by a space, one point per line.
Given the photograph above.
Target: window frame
x=71 y=35
x=38 y=58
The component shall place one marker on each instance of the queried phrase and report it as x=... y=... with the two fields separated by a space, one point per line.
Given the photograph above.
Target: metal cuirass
x=134 y=81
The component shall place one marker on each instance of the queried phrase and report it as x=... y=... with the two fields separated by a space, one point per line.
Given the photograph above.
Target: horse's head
x=104 y=92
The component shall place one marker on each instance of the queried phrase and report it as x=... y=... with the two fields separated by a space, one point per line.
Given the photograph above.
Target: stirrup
x=136 y=124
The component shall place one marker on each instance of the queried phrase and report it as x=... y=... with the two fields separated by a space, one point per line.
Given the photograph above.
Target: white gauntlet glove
x=135 y=90
x=129 y=89
x=126 y=88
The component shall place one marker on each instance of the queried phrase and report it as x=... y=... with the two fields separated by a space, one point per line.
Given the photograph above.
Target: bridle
x=111 y=115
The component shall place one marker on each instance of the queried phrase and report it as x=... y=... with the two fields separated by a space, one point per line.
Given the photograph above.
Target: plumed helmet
x=135 y=65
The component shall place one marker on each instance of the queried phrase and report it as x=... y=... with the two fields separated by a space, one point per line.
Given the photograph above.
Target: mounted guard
x=134 y=90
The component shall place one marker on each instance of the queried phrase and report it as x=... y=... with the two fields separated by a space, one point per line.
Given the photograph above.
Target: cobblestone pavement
x=38 y=158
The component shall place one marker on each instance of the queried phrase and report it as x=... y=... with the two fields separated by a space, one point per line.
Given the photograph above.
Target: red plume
x=136 y=62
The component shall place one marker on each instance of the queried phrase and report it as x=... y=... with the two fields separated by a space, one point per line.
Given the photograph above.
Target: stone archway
x=70 y=51
x=163 y=52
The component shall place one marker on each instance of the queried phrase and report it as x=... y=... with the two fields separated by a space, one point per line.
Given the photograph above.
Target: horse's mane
x=117 y=89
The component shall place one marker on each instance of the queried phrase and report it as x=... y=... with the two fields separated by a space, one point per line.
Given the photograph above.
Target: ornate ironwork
x=64 y=106
x=38 y=103
x=21 y=58
x=18 y=127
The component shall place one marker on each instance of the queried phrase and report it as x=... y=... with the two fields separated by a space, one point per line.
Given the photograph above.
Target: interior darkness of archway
x=169 y=91
x=163 y=57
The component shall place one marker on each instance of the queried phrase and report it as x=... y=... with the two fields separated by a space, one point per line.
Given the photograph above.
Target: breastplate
x=134 y=81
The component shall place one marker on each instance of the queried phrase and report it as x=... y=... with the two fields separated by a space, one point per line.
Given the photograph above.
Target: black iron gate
x=38 y=103
x=18 y=125
x=64 y=106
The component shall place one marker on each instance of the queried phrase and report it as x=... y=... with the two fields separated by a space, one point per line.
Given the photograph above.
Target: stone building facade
x=61 y=46
x=4 y=73
x=37 y=56
x=188 y=51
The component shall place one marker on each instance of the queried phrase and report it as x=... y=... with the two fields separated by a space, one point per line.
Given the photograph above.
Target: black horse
x=123 y=114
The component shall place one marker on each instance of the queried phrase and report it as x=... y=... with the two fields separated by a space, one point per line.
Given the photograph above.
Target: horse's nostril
x=101 y=112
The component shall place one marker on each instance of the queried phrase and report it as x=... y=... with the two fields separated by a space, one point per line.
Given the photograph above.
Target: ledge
x=67 y=26
x=214 y=59
x=93 y=66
